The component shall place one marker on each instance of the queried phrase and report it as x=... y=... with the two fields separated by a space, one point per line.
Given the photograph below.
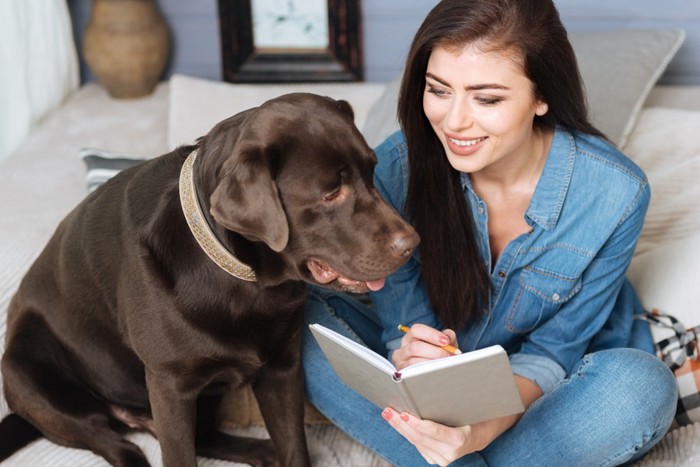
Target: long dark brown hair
x=455 y=276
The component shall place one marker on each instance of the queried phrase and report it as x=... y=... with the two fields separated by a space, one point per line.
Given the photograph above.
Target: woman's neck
x=518 y=174
x=508 y=195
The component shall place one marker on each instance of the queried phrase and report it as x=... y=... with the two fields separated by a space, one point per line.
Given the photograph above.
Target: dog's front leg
x=174 y=415
x=279 y=390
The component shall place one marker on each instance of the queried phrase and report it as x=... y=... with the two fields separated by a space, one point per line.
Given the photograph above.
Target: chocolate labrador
x=185 y=276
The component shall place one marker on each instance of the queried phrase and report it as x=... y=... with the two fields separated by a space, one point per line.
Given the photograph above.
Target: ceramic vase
x=126 y=46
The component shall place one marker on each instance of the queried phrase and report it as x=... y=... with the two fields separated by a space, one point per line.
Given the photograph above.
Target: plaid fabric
x=688 y=377
x=681 y=352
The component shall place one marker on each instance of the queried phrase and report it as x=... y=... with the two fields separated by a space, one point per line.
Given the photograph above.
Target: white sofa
x=44 y=177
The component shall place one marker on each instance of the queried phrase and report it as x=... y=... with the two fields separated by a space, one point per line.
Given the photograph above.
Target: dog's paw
x=253 y=451
x=260 y=453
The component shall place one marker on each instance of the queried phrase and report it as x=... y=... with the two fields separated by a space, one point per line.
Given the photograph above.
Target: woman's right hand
x=423 y=343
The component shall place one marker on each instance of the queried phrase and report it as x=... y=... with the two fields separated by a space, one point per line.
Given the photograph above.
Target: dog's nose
x=404 y=243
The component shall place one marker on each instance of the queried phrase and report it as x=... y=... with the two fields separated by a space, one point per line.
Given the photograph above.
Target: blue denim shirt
x=558 y=291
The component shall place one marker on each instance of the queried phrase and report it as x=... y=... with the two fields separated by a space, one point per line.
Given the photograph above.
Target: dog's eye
x=332 y=195
x=342 y=175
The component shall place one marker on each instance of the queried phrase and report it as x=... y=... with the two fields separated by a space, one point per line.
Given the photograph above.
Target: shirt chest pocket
x=538 y=297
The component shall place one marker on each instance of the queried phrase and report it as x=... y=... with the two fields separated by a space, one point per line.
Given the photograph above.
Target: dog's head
x=298 y=176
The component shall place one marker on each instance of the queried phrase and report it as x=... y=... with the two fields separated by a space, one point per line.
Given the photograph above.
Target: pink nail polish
x=386 y=414
x=404 y=417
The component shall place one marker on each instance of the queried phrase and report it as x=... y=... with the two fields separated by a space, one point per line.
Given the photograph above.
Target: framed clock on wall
x=274 y=41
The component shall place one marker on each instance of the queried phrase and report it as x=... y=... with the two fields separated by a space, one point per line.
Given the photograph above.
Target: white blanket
x=330 y=447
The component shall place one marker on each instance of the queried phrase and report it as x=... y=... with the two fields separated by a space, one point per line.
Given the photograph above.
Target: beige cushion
x=668 y=279
x=666 y=145
x=674 y=96
x=666 y=268
x=619 y=68
x=196 y=104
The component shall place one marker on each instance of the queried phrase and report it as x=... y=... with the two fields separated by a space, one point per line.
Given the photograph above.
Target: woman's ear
x=542 y=108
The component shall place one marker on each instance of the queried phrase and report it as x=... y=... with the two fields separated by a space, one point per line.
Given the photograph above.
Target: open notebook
x=457 y=390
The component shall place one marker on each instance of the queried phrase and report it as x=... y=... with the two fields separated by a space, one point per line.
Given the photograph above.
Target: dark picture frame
x=243 y=62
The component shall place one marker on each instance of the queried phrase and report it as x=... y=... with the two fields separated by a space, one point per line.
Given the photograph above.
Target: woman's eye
x=437 y=92
x=332 y=195
x=488 y=100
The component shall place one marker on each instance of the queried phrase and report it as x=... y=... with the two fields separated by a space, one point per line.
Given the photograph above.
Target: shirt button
x=555 y=297
x=480 y=209
x=501 y=274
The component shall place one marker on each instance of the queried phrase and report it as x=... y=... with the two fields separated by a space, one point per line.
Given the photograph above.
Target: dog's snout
x=404 y=242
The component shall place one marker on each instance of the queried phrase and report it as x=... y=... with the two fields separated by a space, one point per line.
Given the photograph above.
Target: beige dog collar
x=201 y=230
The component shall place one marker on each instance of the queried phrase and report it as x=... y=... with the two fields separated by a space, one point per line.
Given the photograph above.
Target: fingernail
x=444 y=340
x=386 y=414
x=404 y=417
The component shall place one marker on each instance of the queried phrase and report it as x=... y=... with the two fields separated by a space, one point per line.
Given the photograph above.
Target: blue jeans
x=610 y=410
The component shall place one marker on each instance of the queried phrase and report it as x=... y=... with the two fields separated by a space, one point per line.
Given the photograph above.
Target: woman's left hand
x=438 y=444
x=441 y=444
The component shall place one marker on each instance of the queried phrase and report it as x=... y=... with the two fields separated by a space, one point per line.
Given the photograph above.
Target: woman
x=528 y=220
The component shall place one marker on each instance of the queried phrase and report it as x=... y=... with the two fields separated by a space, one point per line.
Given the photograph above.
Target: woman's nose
x=459 y=116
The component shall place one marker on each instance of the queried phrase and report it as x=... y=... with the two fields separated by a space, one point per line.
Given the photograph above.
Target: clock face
x=290 y=24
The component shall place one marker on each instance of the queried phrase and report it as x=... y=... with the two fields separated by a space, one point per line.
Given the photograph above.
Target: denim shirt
x=558 y=291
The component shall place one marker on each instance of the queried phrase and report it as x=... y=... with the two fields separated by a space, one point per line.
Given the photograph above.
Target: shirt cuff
x=542 y=371
x=391 y=346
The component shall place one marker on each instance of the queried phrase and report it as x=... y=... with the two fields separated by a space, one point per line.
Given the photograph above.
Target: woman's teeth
x=467 y=143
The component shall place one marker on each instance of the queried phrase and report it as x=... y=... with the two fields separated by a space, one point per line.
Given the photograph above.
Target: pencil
x=450 y=348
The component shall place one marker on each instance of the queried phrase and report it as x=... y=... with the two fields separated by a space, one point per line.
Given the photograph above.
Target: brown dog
x=130 y=318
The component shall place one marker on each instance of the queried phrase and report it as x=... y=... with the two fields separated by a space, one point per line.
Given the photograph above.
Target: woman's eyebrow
x=435 y=78
x=475 y=87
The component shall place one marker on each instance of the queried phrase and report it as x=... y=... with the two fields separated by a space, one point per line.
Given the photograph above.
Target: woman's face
x=481 y=106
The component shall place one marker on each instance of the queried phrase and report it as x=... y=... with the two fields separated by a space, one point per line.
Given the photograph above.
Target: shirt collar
x=551 y=190
x=548 y=199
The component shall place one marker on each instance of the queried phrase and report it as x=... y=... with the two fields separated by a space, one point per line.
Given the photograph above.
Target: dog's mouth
x=324 y=274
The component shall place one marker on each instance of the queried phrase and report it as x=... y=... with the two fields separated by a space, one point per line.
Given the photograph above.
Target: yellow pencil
x=450 y=348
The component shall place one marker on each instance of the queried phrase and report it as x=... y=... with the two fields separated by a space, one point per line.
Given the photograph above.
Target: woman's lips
x=464 y=146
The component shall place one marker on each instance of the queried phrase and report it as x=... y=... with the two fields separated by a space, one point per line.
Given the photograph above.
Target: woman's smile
x=465 y=146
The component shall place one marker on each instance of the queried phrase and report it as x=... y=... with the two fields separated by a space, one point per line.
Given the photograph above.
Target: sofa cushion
x=667 y=279
x=382 y=120
x=666 y=146
x=196 y=104
x=619 y=68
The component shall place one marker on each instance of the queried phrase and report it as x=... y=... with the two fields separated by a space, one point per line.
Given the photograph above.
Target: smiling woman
x=528 y=219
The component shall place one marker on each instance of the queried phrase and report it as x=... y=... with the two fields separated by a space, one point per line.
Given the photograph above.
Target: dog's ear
x=246 y=199
x=344 y=107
